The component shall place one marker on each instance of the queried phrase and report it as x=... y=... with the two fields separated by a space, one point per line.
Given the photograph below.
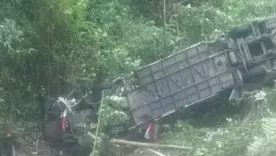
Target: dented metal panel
x=201 y=71
x=180 y=80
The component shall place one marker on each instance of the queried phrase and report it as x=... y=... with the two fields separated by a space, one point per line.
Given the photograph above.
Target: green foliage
x=15 y=88
x=264 y=144
x=251 y=135
x=113 y=119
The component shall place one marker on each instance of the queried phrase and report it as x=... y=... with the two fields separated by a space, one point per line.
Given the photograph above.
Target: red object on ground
x=150 y=131
x=64 y=123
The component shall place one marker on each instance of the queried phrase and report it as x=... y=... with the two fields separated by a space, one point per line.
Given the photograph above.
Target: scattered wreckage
x=66 y=123
x=235 y=62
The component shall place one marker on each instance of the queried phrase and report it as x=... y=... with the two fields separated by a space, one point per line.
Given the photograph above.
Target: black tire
x=240 y=32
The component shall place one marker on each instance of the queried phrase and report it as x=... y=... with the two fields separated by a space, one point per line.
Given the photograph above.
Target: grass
x=224 y=132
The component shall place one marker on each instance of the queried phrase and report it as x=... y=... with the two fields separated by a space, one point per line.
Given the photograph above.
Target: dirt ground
x=26 y=139
x=30 y=145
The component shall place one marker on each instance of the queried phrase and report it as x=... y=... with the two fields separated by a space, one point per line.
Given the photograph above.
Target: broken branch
x=140 y=144
x=155 y=152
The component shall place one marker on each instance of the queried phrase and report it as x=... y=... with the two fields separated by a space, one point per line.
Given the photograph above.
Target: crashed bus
x=246 y=55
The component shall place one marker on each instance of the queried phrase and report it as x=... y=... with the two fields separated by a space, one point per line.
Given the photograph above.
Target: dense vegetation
x=246 y=132
x=64 y=44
